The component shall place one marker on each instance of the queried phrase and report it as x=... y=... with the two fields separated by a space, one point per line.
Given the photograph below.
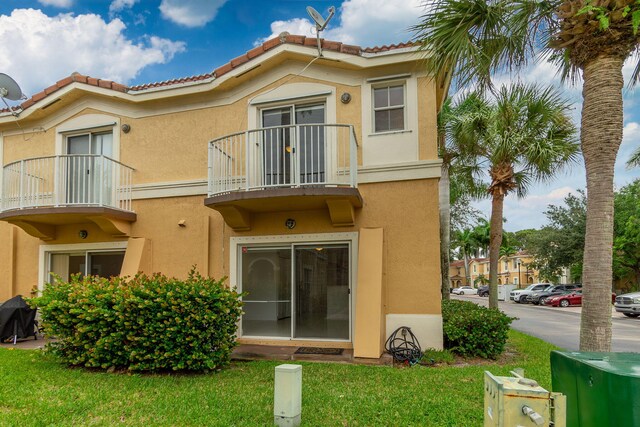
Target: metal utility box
x=602 y=389
x=518 y=401
x=504 y=291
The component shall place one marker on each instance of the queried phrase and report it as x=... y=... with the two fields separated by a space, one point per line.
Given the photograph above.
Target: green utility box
x=602 y=389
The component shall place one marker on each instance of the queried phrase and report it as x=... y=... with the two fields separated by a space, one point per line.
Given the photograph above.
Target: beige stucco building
x=310 y=182
x=515 y=269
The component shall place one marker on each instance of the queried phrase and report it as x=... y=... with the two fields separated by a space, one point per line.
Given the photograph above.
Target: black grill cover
x=17 y=318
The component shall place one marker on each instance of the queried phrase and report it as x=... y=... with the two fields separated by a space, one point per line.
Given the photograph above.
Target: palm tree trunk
x=495 y=240
x=601 y=135
x=445 y=230
x=467 y=273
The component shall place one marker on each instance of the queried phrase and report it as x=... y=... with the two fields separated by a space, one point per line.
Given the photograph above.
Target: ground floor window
x=96 y=259
x=103 y=264
x=296 y=291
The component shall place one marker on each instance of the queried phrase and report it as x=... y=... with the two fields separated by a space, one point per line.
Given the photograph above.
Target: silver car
x=628 y=304
x=464 y=290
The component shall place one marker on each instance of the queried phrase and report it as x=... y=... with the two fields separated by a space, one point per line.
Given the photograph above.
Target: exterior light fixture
x=290 y=223
x=83 y=234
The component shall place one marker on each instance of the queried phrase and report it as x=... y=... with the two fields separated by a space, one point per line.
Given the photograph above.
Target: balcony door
x=294 y=155
x=89 y=177
x=296 y=291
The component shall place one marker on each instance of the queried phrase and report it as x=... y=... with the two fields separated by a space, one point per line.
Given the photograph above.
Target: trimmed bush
x=144 y=323
x=471 y=330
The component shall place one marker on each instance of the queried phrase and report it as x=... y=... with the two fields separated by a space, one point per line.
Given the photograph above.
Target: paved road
x=561 y=326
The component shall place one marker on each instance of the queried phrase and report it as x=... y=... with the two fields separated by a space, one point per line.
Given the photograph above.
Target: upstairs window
x=388 y=108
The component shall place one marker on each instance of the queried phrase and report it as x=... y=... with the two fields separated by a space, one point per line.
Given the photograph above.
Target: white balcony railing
x=284 y=156
x=67 y=180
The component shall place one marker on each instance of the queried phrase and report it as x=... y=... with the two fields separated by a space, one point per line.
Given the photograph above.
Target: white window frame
x=388 y=85
x=86 y=124
x=89 y=132
x=351 y=238
x=46 y=250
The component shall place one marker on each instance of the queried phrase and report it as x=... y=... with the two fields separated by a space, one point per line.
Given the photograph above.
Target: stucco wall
x=168 y=143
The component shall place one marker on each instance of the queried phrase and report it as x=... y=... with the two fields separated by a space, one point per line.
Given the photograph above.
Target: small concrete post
x=287 y=406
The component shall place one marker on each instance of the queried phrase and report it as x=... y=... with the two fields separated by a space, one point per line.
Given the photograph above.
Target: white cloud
x=39 y=50
x=631 y=134
x=57 y=3
x=361 y=22
x=191 y=13
x=119 y=5
x=542 y=200
x=298 y=26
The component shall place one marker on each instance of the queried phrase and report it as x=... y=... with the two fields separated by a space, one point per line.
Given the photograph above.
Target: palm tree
x=524 y=135
x=482 y=233
x=507 y=251
x=450 y=153
x=477 y=38
x=467 y=244
x=447 y=155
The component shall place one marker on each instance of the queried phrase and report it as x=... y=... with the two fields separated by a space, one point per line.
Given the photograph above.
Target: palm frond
x=479 y=38
x=635 y=76
x=634 y=160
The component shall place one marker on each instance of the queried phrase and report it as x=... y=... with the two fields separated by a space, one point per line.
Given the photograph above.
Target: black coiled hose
x=403 y=345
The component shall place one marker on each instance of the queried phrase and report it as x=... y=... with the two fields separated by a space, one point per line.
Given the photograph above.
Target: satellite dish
x=317 y=18
x=321 y=23
x=9 y=89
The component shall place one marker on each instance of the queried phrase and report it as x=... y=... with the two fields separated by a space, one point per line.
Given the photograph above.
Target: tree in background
x=467 y=244
x=626 y=242
x=507 y=251
x=478 y=38
x=523 y=135
x=482 y=233
x=560 y=244
x=482 y=280
x=452 y=193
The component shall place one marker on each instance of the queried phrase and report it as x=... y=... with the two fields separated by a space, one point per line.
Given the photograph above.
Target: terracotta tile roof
x=172 y=82
x=385 y=48
x=459 y=263
x=283 y=38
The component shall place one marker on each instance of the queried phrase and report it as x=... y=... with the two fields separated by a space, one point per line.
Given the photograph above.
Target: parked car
x=628 y=304
x=519 y=294
x=572 y=298
x=463 y=290
x=537 y=297
x=483 y=291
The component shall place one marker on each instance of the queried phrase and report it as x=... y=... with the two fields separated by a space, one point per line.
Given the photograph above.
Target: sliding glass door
x=296 y=291
x=282 y=164
x=89 y=180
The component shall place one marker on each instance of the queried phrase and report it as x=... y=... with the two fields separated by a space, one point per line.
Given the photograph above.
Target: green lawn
x=37 y=391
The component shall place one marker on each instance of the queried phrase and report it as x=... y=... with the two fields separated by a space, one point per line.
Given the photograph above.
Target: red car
x=572 y=298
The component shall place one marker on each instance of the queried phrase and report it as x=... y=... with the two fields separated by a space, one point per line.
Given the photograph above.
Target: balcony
x=284 y=168
x=42 y=193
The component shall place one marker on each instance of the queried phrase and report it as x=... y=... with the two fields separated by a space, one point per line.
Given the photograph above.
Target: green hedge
x=474 y=331
x=144 y=323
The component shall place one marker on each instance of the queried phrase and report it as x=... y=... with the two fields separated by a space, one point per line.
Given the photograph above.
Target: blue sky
x=141 y=41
